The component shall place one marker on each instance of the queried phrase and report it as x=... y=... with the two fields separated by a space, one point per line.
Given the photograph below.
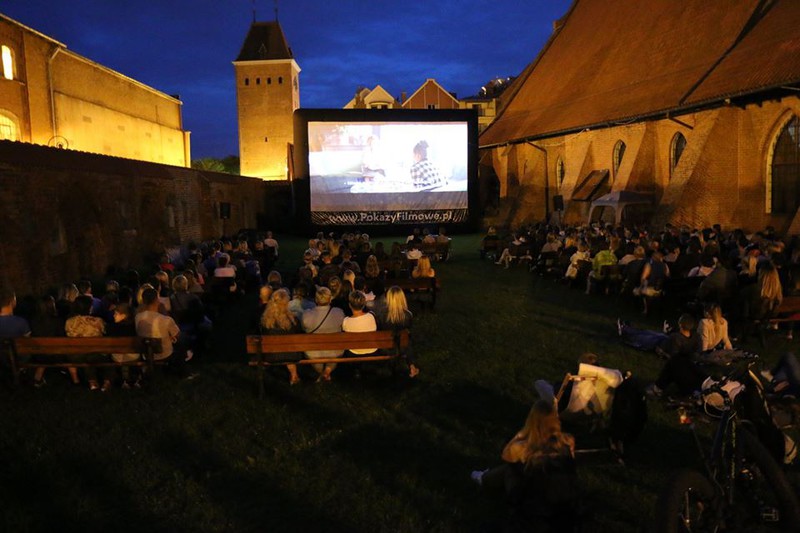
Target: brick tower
x=267 y=93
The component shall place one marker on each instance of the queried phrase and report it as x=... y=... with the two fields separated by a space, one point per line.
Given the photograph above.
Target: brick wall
x=66 y=214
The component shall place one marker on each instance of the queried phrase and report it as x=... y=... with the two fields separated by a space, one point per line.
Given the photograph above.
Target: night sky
x=186 y=47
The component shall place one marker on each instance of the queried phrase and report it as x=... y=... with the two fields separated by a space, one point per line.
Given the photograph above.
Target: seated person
x=604 y=257
x=582 y=254
x=82 y=324
x=713 y=329
x=323 y=319
x=537 y=475
x=784 y=377
x=151 y=323
x=360 y=321
x=682 y=350
x=591 y=395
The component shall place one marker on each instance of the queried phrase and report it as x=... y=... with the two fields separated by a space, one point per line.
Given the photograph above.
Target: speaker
x=224 y=210
x=558 y=202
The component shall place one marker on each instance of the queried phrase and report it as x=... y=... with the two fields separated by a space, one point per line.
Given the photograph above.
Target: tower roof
x=265 y=40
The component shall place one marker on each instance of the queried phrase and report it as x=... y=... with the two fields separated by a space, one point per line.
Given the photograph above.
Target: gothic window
x=676 y=150
x=559 y=173
x=619 y=153
x=785 y=168
x=7 y=59
x=9 y=130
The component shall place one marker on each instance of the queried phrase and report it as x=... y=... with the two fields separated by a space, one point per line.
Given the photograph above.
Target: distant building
x=52 y=96
x=691 y=107
x=267 y=94
x=430 y=95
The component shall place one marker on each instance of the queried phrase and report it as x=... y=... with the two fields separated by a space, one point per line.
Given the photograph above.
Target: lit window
x=8 y=128
x=676 y=151
x=8 y=62
x=785 y=168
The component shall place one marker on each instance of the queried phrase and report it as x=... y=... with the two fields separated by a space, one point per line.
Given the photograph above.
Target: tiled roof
x=612 y=61
x=265 y=40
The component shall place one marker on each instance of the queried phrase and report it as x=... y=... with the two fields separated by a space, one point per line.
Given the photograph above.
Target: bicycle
x=742 y=488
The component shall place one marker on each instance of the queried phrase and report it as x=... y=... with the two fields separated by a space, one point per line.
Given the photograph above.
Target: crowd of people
x=341 y=284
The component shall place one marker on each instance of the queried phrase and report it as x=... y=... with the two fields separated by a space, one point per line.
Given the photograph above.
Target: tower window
x=258 y=81
x=280 y=79
x=9 y=130
x=247 y=81
x=269 y=81
x=7 y=57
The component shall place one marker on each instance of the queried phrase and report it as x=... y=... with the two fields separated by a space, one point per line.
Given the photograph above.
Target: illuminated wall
x=59 y=98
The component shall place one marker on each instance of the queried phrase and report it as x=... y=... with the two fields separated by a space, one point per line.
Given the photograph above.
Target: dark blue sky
x=186 y=47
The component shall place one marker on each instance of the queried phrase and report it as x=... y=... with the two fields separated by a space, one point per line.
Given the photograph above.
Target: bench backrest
x=413 y=283
x=302 y=342
x=83 y=345
x=789 y=305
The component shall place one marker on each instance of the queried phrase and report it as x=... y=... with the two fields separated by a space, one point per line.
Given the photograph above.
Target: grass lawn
x=375 y=454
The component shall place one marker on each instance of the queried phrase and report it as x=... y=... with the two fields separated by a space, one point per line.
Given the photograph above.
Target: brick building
x=50 y=95
x=693 y=104
x=267 y=93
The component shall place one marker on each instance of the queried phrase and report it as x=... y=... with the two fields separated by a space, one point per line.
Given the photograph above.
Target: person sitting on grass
x=681 y=350
x=279 y=320
x=397 y=317
x=538 y=475
x=82 y=324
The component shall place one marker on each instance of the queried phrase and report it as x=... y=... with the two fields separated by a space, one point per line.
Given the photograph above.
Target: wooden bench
x=262 y=346
x=43 y=347
x=417 y=285
x=437 y=251
x=788 y=311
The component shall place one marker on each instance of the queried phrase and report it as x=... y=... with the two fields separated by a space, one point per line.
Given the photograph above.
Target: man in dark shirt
x=680 y=349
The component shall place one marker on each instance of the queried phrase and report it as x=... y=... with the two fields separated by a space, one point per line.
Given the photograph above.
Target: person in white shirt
x=270 y=242
x=360 y=321
x=151 y=323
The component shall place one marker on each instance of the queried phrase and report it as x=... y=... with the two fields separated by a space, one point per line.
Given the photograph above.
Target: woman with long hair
x=279 y=320
x=713 y=328
x=423 y=268
x=539 y=442
x=397 y=317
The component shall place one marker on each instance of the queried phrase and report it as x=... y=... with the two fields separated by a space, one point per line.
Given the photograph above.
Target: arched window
x=559 y=173
x=7 y=59
x=619 y=153
x=676 y=151
x=785 y=169
x=247 y=81
x=280 y=79
x=9 y=130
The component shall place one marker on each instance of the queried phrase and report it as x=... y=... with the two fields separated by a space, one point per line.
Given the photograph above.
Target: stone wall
x=66 y=214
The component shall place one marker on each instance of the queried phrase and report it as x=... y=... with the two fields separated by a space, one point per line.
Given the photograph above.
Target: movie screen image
x=384 y=167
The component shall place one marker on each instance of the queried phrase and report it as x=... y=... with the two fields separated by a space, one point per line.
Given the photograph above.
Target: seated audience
x=395 y=316
x=82 y=324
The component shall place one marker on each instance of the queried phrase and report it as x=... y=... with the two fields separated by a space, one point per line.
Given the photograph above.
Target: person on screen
x=423 y=173
x=371 y=160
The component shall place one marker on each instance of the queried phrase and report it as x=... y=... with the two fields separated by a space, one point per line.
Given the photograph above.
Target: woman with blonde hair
x=423 y=268
x=713 y=328
x=279 y=320
x=397 y=317
x=540 y=442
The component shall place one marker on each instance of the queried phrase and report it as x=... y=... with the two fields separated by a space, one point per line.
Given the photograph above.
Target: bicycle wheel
x=688 y=503
x=764 y=497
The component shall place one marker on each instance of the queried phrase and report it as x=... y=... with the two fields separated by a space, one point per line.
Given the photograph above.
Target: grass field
x=375 y=454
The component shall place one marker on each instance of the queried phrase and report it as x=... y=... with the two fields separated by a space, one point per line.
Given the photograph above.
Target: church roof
x=265 y=40
x=614 y=61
